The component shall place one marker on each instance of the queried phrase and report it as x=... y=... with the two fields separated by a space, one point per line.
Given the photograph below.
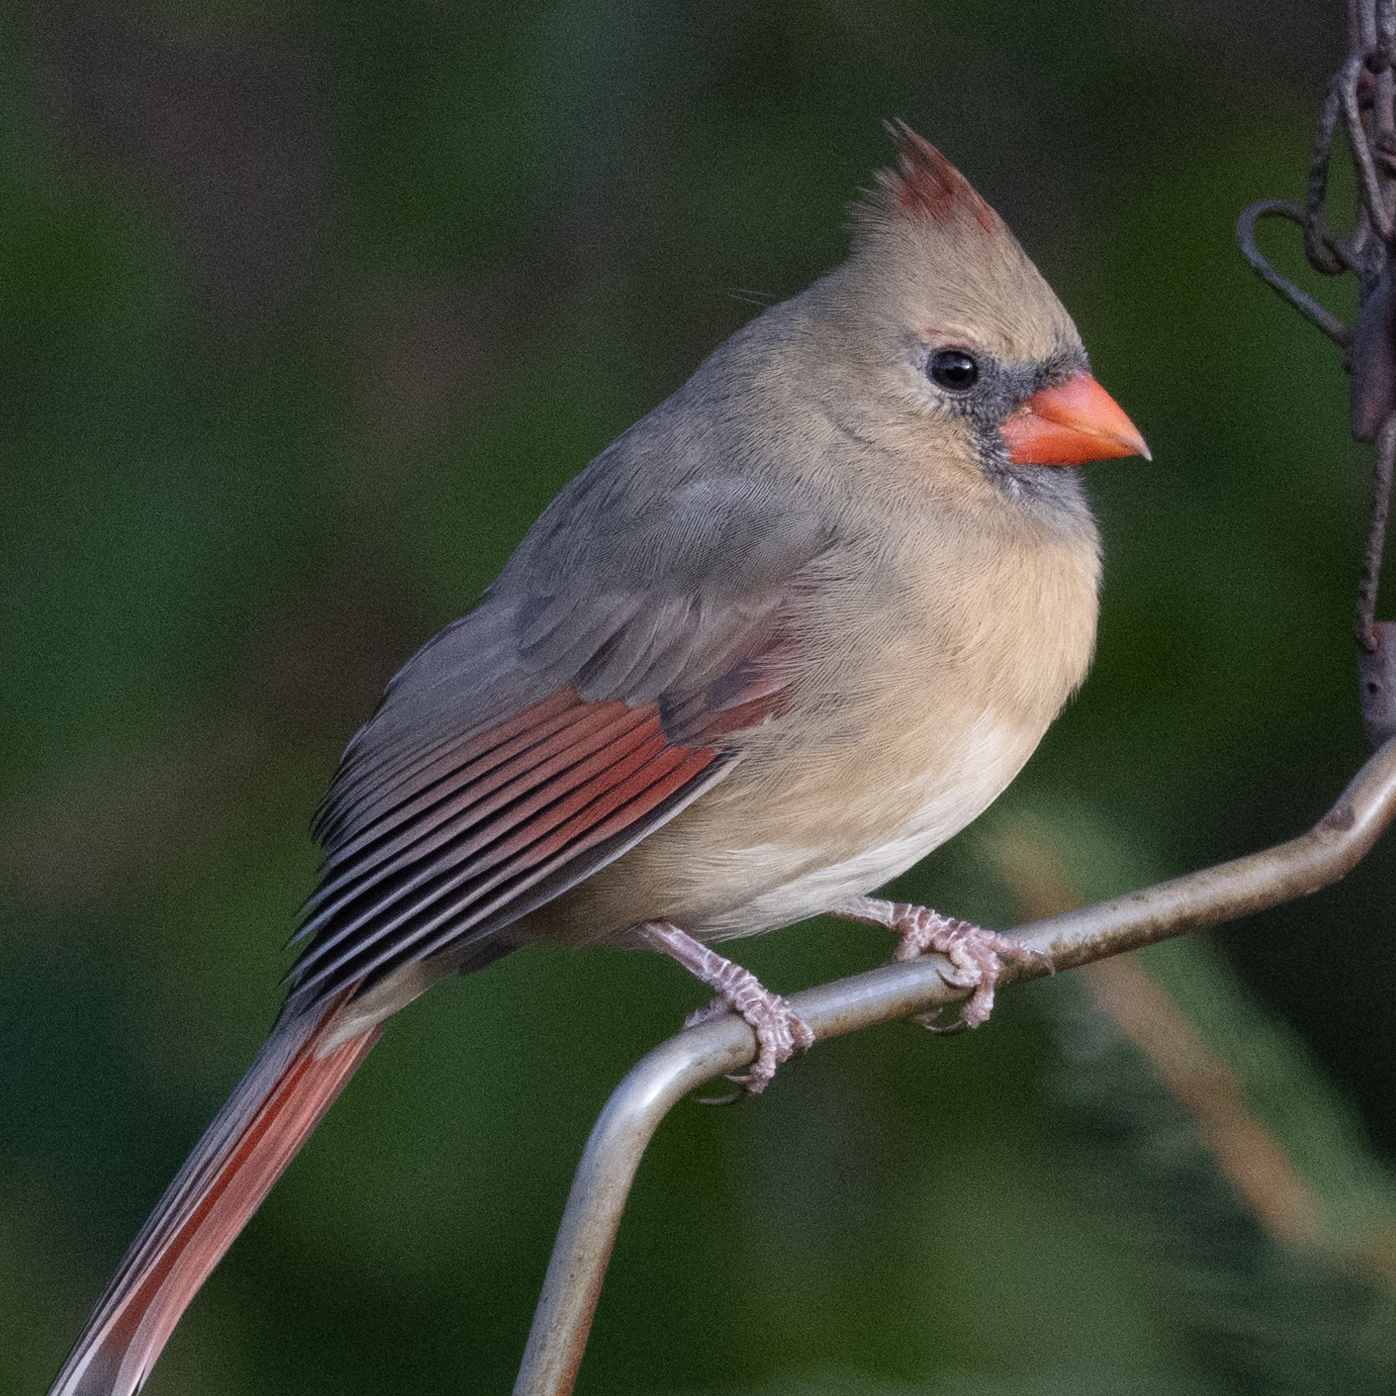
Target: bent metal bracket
x=660 y=1080
x=1361 y=98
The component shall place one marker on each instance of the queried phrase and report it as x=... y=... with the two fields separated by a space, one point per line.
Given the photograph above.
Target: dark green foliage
x=305 y=311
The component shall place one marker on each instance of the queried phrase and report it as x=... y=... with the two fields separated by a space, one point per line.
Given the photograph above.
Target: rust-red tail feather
x=257 y=1133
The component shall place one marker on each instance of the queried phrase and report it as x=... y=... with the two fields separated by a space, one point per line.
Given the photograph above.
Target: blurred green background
x=305 y=311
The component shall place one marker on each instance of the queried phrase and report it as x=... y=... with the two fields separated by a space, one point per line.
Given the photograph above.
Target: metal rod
x=660 y=1080
x=1376 y=538
x=1301 y=300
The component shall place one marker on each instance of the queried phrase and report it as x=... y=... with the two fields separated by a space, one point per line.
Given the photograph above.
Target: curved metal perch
x=660 y=1080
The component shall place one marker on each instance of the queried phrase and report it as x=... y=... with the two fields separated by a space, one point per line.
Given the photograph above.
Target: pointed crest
x=927 y=185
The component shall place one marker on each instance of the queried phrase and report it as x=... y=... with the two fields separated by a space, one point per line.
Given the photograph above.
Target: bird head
x=956 y=334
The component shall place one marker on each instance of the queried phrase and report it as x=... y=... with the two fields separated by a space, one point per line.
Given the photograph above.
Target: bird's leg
x=974 y=953
x=779 y=1033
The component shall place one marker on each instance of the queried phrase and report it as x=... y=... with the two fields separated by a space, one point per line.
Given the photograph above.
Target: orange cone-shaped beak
x=1074 y=422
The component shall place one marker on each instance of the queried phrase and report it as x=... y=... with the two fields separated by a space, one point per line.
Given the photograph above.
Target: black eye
x=953 y=369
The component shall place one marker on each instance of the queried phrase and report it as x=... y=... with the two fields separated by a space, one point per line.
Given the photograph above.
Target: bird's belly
x=898 y=741
x=803 y=879
x=744 y=860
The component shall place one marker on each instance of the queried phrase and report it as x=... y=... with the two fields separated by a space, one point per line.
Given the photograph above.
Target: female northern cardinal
x=787 y=634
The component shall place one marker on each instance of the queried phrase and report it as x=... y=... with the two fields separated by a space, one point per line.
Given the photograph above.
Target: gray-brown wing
x=528 y=745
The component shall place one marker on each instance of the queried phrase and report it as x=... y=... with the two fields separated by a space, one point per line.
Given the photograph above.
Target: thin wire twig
x=1323 y=257
x=1369 y=349
x=1346 y=84
x=1300 y=300
x=1376 y=538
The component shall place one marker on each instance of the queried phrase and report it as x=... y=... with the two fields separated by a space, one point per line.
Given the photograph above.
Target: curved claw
x=975 y=954
x=730 y=1099
x=780 y=1033
x=928 y=1021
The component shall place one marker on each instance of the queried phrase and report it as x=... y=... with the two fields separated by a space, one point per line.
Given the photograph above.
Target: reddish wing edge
x=478 y=834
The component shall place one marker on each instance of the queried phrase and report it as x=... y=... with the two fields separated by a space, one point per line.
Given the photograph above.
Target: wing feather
x=521 y=750
x=459 y=781
x=366 y=792
x=477 y=817
x=458 y=861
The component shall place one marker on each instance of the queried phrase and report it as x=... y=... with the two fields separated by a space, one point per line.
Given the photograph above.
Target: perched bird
x=782 y=638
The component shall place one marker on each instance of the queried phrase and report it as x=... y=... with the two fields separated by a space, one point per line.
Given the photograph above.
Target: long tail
x=257 y=1133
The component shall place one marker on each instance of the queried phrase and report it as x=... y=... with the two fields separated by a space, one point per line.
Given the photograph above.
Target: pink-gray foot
x=779 y=1032
x=975 y=954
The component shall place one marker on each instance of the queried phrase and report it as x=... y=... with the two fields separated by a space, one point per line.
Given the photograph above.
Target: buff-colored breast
x=930 y=664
